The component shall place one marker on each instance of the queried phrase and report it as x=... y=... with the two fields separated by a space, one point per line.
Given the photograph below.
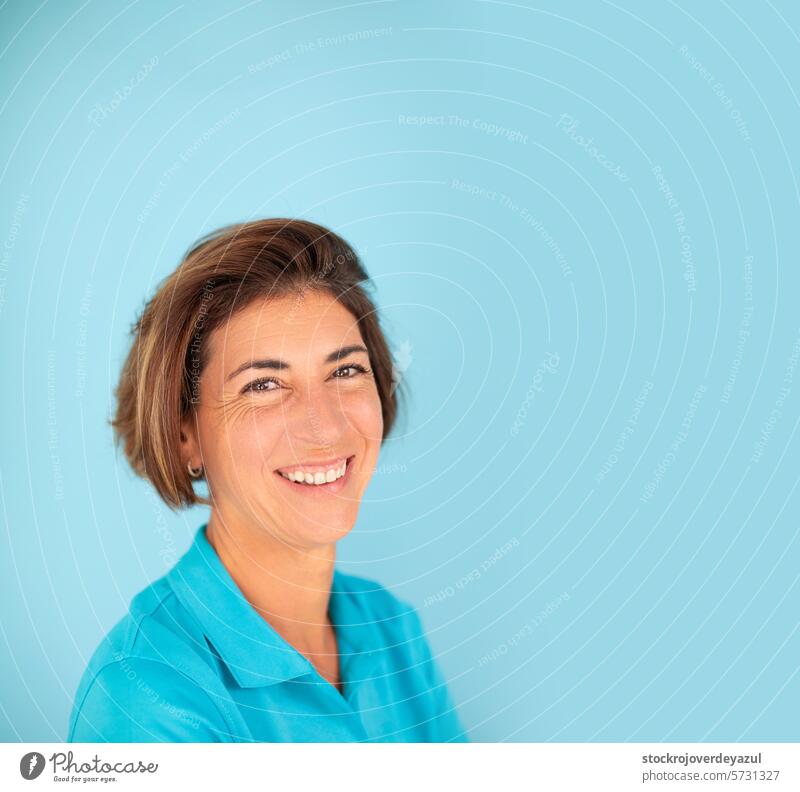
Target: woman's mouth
x=328 y=477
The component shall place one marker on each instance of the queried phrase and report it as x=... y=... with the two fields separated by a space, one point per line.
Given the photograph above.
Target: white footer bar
x=549 y=767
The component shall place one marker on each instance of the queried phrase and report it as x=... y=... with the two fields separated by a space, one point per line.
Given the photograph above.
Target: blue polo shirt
x=193 y=661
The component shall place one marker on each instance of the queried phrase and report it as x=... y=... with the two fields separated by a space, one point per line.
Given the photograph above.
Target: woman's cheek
x=260 y=435
x=366 y=415
x=247 y=435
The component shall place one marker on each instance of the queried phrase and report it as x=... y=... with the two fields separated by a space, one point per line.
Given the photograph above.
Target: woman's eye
x=267 y=384
x=261 y=385
x=347 y=372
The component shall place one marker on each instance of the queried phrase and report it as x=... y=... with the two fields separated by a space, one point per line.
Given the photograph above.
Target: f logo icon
x=31 y=765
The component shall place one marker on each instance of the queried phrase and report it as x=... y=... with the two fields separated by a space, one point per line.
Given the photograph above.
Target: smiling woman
x=260 y=366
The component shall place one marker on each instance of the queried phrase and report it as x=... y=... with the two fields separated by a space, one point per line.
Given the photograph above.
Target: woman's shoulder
x=156 y=628
x=380 y=607
x=414 y=666
x=150 y=677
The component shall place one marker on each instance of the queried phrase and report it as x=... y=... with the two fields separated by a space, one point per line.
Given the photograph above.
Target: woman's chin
x=317 y=533
x=313 y=527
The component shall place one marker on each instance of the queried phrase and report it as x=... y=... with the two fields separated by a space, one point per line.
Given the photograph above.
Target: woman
x=260 y=366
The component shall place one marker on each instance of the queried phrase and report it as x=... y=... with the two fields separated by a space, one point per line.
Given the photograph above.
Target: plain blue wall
x=587 y=260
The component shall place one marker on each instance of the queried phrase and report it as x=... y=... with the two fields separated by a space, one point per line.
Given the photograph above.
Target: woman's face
x=288 y=397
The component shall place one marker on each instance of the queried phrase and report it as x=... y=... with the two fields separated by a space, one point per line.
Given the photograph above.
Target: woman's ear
x=190 y=445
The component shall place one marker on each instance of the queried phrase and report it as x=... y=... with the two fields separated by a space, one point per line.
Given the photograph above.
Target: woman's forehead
x=290 y=313
x=289 y=326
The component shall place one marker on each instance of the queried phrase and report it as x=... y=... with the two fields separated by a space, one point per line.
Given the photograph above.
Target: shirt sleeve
x=140 y=700
x=444 y=723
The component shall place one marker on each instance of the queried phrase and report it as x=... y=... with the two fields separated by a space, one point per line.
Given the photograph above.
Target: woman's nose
x=319 y=419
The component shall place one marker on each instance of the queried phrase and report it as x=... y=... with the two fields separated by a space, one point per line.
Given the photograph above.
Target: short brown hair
x=220 y=275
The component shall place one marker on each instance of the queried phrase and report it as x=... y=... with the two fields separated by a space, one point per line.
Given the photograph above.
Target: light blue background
x=605 y=549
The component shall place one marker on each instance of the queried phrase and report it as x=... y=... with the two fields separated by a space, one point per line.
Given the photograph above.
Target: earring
x=194 y=473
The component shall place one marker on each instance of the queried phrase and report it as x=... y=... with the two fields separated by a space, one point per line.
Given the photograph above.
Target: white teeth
x=332 y=474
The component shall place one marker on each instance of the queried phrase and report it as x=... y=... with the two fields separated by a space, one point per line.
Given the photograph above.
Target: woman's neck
x=288 y=586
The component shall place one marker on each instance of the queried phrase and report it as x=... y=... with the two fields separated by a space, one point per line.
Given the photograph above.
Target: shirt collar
x=254 y=652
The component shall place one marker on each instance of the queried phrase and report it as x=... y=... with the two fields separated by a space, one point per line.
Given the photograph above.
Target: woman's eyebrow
x=275 y=363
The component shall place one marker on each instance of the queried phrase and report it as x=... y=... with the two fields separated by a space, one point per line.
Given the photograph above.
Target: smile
x=328 y=476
